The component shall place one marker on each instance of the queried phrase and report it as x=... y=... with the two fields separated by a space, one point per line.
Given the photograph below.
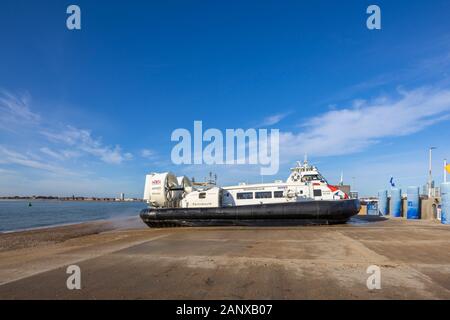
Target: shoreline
x=51 y=226
x=70 y=200
x=34 y=237
x=48 y=227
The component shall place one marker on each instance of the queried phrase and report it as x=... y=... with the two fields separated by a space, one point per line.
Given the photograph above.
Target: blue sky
x=90 y=112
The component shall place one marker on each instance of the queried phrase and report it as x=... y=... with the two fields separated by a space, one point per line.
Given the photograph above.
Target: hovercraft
x=304 y=198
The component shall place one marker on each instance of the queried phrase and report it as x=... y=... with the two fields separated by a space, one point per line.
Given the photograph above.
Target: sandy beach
x=123 y=259
x=56 y=234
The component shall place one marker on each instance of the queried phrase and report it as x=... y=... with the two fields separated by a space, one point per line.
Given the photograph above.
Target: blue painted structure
x=413 y=203
x=382 y=202
x=396 y=203
x=445 y=203
x=372 y=208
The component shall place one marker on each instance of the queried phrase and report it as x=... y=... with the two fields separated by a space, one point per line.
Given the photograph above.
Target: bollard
x=413 y=203
x=382 y=202
x=445 y=203
x=396 y=203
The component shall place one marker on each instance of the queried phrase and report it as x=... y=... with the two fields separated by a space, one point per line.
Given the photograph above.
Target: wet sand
x=127 y=260
x=56 y=234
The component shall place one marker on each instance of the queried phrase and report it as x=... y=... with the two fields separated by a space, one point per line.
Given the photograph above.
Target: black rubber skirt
x=289 y=213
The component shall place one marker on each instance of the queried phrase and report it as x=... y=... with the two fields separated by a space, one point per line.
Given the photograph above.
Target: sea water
x=19 y=215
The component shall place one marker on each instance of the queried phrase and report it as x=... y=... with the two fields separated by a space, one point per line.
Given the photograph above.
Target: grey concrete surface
x=292 y=262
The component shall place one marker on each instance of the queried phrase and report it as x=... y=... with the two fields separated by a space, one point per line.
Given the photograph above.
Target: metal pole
x=445 y=170
x=429 y=174
x=430 y=178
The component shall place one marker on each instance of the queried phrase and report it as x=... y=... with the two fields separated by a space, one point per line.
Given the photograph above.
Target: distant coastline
x=72 y=198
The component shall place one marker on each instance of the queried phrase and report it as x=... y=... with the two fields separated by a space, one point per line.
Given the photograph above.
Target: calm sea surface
x=18 y=215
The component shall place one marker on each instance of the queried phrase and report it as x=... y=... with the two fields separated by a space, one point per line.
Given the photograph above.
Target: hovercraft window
x=317 y=193
x=202 y=195
x=313 y=177
x=245 y=195
x=263 y=195
x=278 y=194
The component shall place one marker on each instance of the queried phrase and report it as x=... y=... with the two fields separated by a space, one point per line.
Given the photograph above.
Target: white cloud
x=274 y=119
x=61 y=154
x=146 y=153
x=8 y=156
x=15 y=111
x=83 y=141
x=16 y=115
x=70 y=154
x=52 y=153
x=6 y=171
x=365 y=123
x=128 y=156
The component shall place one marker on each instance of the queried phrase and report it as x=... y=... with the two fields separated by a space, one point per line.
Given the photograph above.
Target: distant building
x=348 y=190
x=122 y=197
x=354 y=195
x=344 y=188
x=434 y=191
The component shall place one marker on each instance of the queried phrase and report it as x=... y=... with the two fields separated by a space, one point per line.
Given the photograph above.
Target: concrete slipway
x=291 y=262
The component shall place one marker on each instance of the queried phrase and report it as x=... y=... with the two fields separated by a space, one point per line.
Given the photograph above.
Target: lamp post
x=430 y=178
x=445 y=170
